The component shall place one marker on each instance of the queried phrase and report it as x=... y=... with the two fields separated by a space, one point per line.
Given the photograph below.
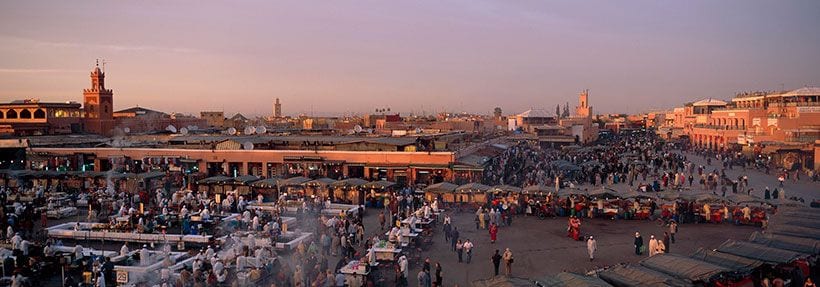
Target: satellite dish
x=194 y=128
x=231 y=131
x=418 y=130
x=261 y=130
x=171 y=128
x=183 y=131
x=250 y=130
x=370 y=131
x=247 y=146
x=357 y=129
x=190 y=128
x=126 y=130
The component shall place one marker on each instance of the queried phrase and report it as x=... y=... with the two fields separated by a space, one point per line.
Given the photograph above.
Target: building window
x=25 y=114
x=2 y=115
x=39 y=114
x=11 y=114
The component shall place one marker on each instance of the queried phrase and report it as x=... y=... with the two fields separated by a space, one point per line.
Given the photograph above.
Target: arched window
x=2 y=115
x=743 y=123
x=25 y=114
x=39 y=114
x=11 y=114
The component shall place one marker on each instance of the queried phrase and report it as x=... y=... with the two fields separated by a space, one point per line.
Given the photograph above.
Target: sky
x=352 y=57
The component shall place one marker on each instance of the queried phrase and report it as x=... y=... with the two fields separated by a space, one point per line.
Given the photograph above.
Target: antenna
x=103 y=65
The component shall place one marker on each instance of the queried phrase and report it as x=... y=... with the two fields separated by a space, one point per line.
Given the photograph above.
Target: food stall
x=374 y=191
x=347 y=190
x=470 y=193
x=444 y=189
x=319 y=187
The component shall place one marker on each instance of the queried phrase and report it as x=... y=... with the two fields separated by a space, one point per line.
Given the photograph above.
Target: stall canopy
x=294 y=181
x=472 y=187
x=381 y=184
x=709 y=198
x=214 y=179
x=739 y=198
x=674 y=195
x=151 y=175
x=122 y=175
x=267 y=183
x=635 y=194
x=682 y=267
x=503 y=188
x=350 y=182
x=539 y=188
x=603 y=193
x=564 y=165
x=245 y=179
x=796 y=244
x=794 y=221
x=639 y=277
x=504 y=281
x=320 y=182
x=441 y=187
x=729 y=261
x=572 y=280
x=571 y=191
x=792 y=230
x=758 y=252
x=781 y=202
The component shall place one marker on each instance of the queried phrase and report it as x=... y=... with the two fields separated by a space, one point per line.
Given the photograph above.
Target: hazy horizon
x=336 y=58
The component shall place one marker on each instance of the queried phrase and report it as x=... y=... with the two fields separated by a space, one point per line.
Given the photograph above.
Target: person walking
x=493 y=233
x=459 y=250
x=666 y=242
x=454 y=238
x=508 y=261
x=381 y=219
x=592 y=245
x=496 y=258
x=468 y=249
x=424 y=279
x=439 y=274
x=638 y=243
x=673 y=228
x=653 y=245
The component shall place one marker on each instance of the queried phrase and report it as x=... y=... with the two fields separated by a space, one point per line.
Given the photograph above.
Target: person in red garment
x=493 y=232
x=576 y=228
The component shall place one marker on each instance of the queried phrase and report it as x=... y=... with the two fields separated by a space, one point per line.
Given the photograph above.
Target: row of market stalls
x=787 y=249
x=614 y=201
x=25 y=180
x=351 y=190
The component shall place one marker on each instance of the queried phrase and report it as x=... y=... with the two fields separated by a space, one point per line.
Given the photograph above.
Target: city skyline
x=336 y=59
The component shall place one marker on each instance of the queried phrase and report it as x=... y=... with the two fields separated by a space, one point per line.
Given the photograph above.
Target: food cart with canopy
x=319 y=187
x=444 y=189
x=374 y=191
x=471 y=193
x=348 y=190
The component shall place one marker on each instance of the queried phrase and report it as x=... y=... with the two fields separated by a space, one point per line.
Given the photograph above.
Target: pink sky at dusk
x=342 y=57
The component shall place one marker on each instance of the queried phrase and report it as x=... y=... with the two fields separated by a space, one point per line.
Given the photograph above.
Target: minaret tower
x=277 y=109
x=98 y=104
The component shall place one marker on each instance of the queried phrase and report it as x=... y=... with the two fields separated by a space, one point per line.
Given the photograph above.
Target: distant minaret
x=277 y=109
x=583 y=109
